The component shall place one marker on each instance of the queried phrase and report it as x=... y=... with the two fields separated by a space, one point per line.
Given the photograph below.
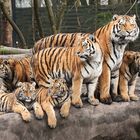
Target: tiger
x=13 y=71
x=16 y=101
x=81 y=64
x=56 y=95
x=113 y=39
x=129 y=70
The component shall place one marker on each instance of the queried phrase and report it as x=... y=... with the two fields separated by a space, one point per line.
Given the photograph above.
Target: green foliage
x=103 y=18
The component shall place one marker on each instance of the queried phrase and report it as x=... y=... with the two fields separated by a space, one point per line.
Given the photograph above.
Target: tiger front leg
x=64 y=111
x=104 y=85
x=114 y=87
x=132 y=95
x=76 y=92
x=48 y=108
x=19 y=108
x=123 y=87
x=38 y=110
x=91 y=93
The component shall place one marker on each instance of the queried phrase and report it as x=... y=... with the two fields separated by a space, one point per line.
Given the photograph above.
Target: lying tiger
x=56 y=95
x=128 y=75
x=17 y=100
x=13 y=71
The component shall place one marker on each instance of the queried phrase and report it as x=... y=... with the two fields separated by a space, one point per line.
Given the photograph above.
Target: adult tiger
x=75 y=64
x=129 y=70
x=13 y=71
x=113 y=38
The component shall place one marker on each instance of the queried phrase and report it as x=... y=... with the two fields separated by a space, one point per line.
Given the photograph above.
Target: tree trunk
x=36 y=13
x=15 y=27
x=7 y=29
x=52 y=20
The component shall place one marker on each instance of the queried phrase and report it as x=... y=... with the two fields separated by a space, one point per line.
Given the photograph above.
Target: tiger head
x=124 y=28
x=26 y=92
x=88 y=48
x=58 y=88
x=133 y=60
x=5 y=70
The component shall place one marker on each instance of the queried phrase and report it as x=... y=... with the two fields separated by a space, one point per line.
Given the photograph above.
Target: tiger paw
x=126 y=98
x=52 y=122
x=77 y=103
x=94 y=101
x=106 y=100
x=64 y=113
x=26 y=116
x=116 y=98
x=39 y=114
x=134 y=97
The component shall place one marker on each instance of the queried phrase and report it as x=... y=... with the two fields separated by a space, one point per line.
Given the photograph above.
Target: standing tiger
x=113 y=39
x=13 y=71
x=129 y=70
x=57 y=94
x=25 y=93
x=75 y=64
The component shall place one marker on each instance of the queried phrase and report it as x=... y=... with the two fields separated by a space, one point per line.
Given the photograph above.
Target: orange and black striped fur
x=15 y=101
x=113 y=39
x=81 y=64
x=13 y=71
x=129 y=70
x=57 y=94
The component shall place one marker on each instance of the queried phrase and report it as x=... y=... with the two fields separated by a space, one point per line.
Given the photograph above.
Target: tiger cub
x=13 y=71
x=78 y=65
x=128 y=75
x=16 y=101
x=57 y=94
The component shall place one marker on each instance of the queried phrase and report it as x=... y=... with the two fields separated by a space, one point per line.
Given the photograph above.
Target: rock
x=118 y=121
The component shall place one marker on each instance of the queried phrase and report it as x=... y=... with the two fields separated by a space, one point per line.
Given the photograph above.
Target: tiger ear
x=91 y=37
x=84 y=43
x=134 y=16
x=34 y=84
x=19 y=84
x=5 y=62
x=115 y=17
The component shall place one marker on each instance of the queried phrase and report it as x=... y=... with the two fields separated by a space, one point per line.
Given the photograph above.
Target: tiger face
x=88 y=49
x=26 y=92
x=58 y=88
x=125 y=28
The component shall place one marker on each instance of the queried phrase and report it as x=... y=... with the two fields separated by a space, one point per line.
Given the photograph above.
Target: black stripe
x=89 y=64
x=52 y=53
x=57 y=38
x=52 y=38
x=64 y=42
x=86 y=70
x=108 y=65
x=100 y=31
x=62 y=38
x=114 y=50
x=111 y=58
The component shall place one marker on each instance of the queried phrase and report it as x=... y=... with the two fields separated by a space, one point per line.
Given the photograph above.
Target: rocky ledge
x=118 y=121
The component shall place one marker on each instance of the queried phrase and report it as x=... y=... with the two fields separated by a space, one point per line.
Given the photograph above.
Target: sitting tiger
x=57 y=94
x=128 y=75
x=16 y=101
x=13 y=71
x=78 y=65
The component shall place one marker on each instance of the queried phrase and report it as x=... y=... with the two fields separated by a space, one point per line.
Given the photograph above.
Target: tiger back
x=129 y=70
x=75 y=64
x=113 y=39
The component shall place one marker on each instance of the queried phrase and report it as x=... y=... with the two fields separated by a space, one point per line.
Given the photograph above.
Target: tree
x=3 y=6
x=57 y=17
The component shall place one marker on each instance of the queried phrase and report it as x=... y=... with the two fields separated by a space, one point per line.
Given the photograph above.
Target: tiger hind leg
x=38 y=110
x=18 y=108
x=64 y=111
